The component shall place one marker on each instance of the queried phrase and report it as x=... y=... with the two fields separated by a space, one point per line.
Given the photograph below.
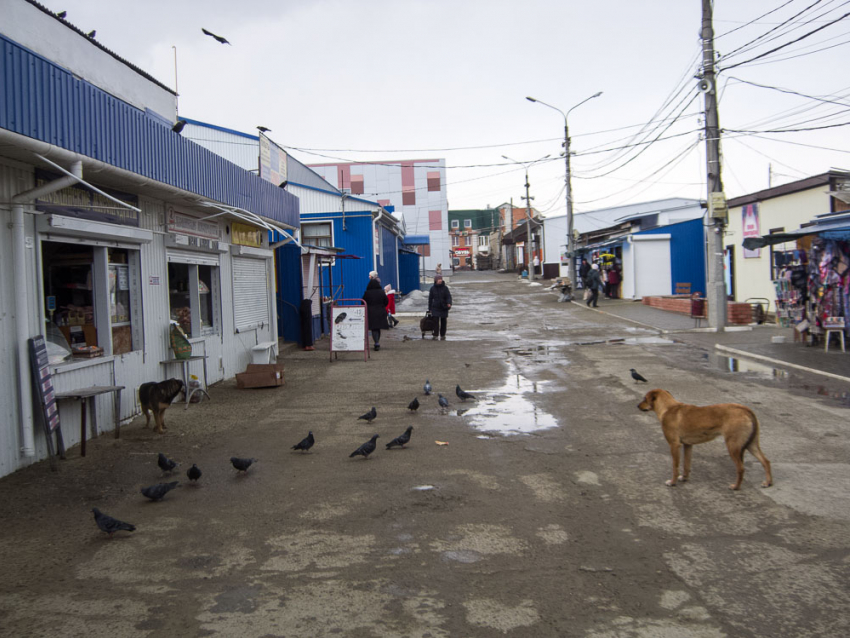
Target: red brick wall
x=736 y=314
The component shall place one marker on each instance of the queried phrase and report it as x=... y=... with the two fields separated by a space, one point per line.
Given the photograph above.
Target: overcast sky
x=361 y=80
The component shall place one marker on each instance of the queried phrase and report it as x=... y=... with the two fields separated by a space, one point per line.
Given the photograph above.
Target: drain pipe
x=22 y=315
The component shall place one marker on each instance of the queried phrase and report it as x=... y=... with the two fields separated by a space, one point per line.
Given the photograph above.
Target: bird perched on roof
x=413 y=406
x=427 y=387
x=178 y=126
x=217 y=37
x=366 y=449
x=165 y=463
x=369 y=416
x=62 y=14
x=443 y=401
x=241 y=464
x=463 y=396
x=401 y=440
x=91 y=34
x=110 y=525
x=637 y=376
x=306 y=443
x=156 y=492
x=194 y=472
x=263 y=129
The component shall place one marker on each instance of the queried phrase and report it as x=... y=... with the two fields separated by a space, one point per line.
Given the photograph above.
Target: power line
x=776 y=88
x=752 y=42
x=764 y=15
x=789 y=130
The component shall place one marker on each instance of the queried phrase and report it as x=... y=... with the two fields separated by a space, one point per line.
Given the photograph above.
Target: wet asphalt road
x=545 y=515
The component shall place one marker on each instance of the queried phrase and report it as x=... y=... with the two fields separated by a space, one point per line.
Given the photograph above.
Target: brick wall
x=737 y=314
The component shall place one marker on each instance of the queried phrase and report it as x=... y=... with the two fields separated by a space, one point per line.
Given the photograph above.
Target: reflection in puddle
x=508 y=410
x=542 y=353
x=423 y=488
x=844 y=397
x=731 y=364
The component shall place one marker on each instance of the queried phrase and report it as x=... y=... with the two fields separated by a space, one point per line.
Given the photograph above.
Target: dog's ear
x=651 y=396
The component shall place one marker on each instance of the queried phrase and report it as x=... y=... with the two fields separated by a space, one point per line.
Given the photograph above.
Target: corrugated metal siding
x=250 y=299
x=687 y=253
x=353 y=274
x=408 y=269
x=388 y=272
x=43 y=101
x=238 y=149
x=288 y=264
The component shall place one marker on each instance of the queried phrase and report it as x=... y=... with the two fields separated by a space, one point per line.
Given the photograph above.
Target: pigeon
x=178 y=126
x=340 y=317
x=637 y=376
x=62 y=14
x=366 y=449
x=263 y=129
x=463 y=396
x=241 y=464
x=194 y=473
x=306 y=443
x=401 y=440
x=156 y=492
x=91 y=34
x=165 y=463
x=444 y=402
x=427 y=387
x=213 y=35
x=406 y=338
x=110 y=525
x=370 y=415
x=413 y=406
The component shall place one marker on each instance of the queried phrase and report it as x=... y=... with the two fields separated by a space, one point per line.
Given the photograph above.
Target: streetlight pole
x=568 y=183
x=528 y=257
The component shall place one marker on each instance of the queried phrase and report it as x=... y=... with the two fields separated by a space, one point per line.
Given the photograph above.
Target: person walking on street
x=391 y=305
x=583 y=271
x=439 y=303
x=376 y=308
x=594 y=281
x=613 y=282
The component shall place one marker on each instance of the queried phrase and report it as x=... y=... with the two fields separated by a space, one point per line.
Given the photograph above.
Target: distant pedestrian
x=390 y=305
x=583 y=271
x=613 y=282
x=536 y=265
x=376 y=308
x=439 y=269
x=439 y=303
x=594 y=282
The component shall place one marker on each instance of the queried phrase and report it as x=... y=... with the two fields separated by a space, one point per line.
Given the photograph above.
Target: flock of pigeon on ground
x=157 y=492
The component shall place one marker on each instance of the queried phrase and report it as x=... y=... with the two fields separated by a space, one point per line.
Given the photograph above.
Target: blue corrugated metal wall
x=687 y=253
x=356 y=240
x=408 y=271
x=388 y=272
x=289 y=291
x=43 y=101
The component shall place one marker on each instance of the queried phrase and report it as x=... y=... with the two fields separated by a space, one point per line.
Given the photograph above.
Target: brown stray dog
x=157 y=397
x=687 y=425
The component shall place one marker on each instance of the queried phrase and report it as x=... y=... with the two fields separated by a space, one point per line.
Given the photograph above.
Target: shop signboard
x=750 y=224
x=182 y=224
x=83 y=203
x=246 y=235
x=348 y=327
x=272 y=161
x=461 y=252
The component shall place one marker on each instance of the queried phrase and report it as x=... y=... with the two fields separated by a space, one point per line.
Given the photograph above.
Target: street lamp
x=526 y=165
x=568 y=188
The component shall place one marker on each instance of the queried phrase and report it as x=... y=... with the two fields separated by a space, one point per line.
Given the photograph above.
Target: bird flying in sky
x=213 y=35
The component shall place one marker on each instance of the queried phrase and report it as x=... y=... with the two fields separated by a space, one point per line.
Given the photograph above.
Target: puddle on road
x=509 y=410
x=423 y=488
x=843 y=397
x=732 y=364
x=542 y=354
x=462 y=556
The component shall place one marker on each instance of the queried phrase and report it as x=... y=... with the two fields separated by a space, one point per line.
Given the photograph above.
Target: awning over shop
x=416 y=240
x=834 y=224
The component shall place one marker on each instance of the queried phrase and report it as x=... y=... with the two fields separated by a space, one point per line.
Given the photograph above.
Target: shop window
x=317 y=234
x=93 y=295
x=193 y=293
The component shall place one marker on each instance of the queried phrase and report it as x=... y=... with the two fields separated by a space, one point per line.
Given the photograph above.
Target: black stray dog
x=157 y=397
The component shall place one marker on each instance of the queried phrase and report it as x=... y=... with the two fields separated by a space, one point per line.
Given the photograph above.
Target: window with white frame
x=455 y=240
x=317 y=233
x=455 y=223
x=194 y=295
x=467 y=224
x=483 y=240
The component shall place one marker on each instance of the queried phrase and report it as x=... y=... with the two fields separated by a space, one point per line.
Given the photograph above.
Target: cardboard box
x=265 y=375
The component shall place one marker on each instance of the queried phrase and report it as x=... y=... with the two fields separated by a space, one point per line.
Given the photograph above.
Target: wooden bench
x=265 y=352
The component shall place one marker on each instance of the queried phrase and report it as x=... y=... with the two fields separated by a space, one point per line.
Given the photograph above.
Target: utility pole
x=716 y=285
x=528 y=260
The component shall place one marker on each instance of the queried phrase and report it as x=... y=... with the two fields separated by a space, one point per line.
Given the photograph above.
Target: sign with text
x=750 y=225
x=246 y=235
x=349 y=327
x=188 y=225
x=272 y=161
x=44 y=382
x=83 y=203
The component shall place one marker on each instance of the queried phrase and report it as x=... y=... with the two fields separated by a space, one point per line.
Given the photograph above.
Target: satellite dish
x=705 y=85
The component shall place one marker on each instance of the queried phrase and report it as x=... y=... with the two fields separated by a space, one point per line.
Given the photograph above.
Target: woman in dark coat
x=376 y=309
x=439 y=303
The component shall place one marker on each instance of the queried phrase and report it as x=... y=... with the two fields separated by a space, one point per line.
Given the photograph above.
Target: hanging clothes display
x=829 y=285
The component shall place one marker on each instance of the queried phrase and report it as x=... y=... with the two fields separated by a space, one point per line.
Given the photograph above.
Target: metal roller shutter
x=250 y=293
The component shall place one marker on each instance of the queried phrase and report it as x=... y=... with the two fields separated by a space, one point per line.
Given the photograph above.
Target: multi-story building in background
x=472 y=233
x=414 y=190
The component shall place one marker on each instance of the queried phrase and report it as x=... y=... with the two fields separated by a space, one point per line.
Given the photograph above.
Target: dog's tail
x=753 y=434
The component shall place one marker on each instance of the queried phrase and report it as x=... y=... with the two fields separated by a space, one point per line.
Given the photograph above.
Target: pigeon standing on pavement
x=165 y=463
x=217 y=37
x=194 y=473
x=110 y=525
x=443 y=401
x=306 y=443
x=413 y=406
x=427 y=387
x=369 y=416
x=241 y=464
x=463 y=396
x=366 y=449
x=401 y=440
x=637 y=376
x=156 y=492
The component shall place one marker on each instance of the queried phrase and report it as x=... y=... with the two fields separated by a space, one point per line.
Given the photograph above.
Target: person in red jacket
x=390 y=305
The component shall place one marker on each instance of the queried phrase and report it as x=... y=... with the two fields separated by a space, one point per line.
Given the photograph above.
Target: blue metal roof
x=41 y=100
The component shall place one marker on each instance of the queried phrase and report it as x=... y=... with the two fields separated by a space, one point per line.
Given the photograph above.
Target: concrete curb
x=778 y=362
x=644 y=325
